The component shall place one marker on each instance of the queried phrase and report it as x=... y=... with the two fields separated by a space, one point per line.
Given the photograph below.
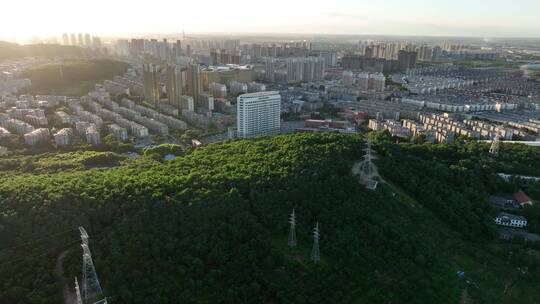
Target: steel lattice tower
x=91 y=289
x=78 y=292
x=494 y=149
x=315 y=253
x=367 y=169
x=292 y=231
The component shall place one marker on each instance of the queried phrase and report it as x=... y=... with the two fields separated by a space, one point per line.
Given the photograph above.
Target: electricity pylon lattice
x=367 y=169
x=292 y=232
x=78 y=292
x=494 y=149
x=91 y=289
x=315 y=253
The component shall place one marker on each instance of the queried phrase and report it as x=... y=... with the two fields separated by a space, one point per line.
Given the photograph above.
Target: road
x=69 y=295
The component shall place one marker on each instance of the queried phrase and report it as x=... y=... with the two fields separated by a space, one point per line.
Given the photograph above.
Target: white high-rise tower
x=258 y=114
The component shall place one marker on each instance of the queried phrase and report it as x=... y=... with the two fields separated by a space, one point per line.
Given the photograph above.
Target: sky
x=22 y=19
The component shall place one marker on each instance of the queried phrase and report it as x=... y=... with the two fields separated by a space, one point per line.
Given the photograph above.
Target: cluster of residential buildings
x=437 y=79
x=524 y=124
x=88 y=118
x=11 y=81
x=512 y=224
x=135 y=118
x=82 y=40
x=374 y=82
x=443 y=128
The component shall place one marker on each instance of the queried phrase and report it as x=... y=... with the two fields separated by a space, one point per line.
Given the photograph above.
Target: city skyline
x=343 y=17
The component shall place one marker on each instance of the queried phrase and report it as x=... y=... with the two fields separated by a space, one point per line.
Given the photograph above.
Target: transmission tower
x=292 y=231
x=315 y=254
x=91 y=289
x=494 y=149
x=78 y=292
x=367 y=169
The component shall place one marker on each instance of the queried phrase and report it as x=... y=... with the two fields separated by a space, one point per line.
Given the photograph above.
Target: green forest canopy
x=211 y=226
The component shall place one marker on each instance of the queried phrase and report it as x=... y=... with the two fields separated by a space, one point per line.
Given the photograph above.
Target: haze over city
x=479 y=18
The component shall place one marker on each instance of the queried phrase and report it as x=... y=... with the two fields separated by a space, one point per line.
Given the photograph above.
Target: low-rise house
x=504 y=202
x=523 y=199
x=510 y=220
x=508 y=234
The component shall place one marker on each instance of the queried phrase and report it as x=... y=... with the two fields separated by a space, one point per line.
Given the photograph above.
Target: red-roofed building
x=523 y=199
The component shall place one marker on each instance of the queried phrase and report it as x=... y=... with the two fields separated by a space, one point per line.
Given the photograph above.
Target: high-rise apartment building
x=295 y=69
x=218 y=90
x=96 y=42
x=194 y=81
x=65 y=39
x=122 y=47
x=406 y=60
x=370 y=82
x=177 y=49
x=377 y=82
x=187 y=103
x=87 y=40
x=258 y=114
x=330 y=58
x=269 y=69
x=137 y=45
x=216 y=56
x=152 y=83
x=363 y=81
x=174 y=83
x=305 y=69
x=348 y=79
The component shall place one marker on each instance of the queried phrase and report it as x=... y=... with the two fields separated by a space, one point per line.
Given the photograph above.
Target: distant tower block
x=494 y=149
x=315 y=254
x=292 y=232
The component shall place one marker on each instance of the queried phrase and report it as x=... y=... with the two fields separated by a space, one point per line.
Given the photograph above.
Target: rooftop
x=504 y=215
x=521 y=197
x=260 y=94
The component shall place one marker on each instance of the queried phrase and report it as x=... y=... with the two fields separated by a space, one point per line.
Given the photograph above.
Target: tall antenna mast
x=292 y=231
x=315 y=254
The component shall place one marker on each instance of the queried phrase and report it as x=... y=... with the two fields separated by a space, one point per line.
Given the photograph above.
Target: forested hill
x=72 y=77
x=211 y=227
x=16 y=51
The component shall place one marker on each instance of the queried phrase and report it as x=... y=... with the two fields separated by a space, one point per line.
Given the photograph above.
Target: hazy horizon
x=461 y=18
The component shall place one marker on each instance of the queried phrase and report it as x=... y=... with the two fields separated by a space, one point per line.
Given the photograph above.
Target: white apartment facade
x=510 y=220
x=258 y=114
